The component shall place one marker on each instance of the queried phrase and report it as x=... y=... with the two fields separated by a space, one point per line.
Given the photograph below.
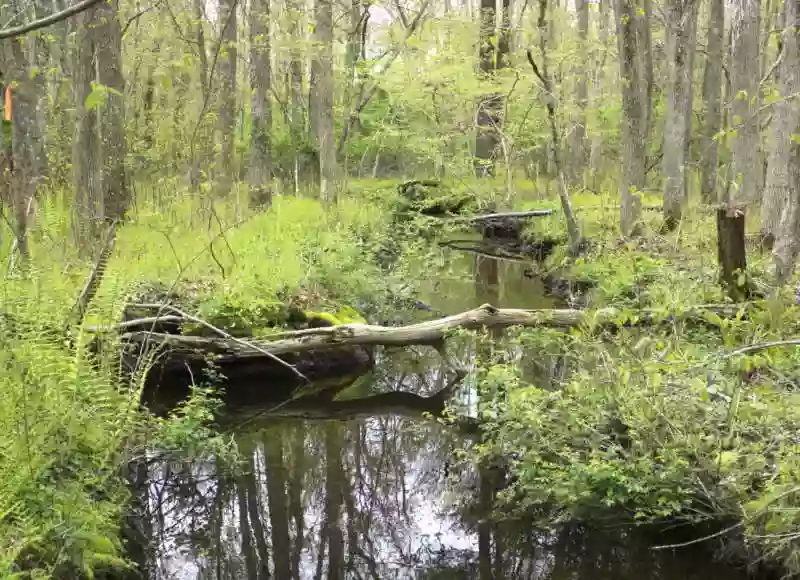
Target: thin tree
x=297 y=118
x=227 y=100
x=783 y=177
x=322 y=88
x=712 y=109
x=579 y=153
x=681 y=33
x=493 y=57
x=573 y=230
x=259 y=172
x=111 y=121
x=635 y=99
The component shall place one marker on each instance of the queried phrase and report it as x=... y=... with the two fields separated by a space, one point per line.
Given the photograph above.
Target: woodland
x=336 y=163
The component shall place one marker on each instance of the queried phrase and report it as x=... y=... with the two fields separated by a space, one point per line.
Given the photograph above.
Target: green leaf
x=97 y=98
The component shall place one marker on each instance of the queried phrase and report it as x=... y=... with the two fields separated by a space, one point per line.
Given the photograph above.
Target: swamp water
x=374 y=492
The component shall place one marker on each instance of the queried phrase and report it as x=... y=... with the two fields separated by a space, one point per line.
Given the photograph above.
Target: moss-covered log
x=222 y=350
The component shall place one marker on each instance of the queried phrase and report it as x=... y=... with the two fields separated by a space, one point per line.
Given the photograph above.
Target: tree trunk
x=712 y=111
x=783 y=179
x=634 y=110
x=227 y=106
x=298 y=128
x=779 y=188
x=493 y=56
x=111 y=118
x=745 y=165
x=680 y=46
x=89 y=206
x=598 y=83
x=259 y=172
x=22 y=58
x=646 y=47
x=322 y=92
x=578 y=149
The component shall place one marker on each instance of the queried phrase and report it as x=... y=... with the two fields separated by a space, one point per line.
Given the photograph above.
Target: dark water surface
x=333 y=492
x=371 y=498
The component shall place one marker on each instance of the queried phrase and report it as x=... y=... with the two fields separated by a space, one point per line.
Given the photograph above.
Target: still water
x=372 y=490
x=375 y=498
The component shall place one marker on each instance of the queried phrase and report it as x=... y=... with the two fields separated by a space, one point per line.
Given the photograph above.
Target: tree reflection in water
x=369 y=498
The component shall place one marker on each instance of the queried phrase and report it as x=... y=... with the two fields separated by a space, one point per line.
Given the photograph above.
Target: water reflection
x=368 y=498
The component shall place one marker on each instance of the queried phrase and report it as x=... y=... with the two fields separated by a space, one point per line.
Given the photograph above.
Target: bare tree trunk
x=227 y=106
x=783 y=179
x=322 y=91
x=578 y=149
x=746 y=169
x=23 y=63
x=598 y=84
x=111 y=121
x=488 y=119
x=259 y=173
x=680 y=46
x=635 y=111
x=646 y=46
x=778 y=190
x=712 y=112
x=89 y=206
x=297 y=123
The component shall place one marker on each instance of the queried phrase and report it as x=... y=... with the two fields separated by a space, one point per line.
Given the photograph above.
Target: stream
x=376 y=493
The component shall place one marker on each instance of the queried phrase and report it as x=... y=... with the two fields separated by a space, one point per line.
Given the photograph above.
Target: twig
x=744 y=350
x=491 y=216
x=137 y=16
x=729 y=528
x=137 y=322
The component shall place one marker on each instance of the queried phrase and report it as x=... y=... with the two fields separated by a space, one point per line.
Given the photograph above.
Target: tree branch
x=48 y=20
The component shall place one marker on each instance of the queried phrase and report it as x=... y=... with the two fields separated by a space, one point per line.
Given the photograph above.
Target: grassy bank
x=68 y=426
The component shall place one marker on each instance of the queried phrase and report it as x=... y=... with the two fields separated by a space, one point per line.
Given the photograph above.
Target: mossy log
x=222 y=350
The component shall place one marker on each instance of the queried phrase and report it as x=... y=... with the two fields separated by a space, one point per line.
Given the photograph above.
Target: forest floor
x=664 y=422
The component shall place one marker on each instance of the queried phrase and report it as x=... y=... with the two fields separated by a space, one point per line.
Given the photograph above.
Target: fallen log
x=499 y=216
x=433 y=332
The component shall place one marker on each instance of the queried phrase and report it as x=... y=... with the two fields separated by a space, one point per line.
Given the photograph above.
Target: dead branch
x=492 y=216
x=47 y=20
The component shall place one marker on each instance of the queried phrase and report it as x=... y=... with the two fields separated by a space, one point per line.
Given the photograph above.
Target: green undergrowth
x=69 y=422
x=663 y=423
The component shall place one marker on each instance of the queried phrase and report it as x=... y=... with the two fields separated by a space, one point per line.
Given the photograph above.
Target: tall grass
x=68 y=424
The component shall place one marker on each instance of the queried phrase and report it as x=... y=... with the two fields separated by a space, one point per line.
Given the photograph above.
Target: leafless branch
x=47 y=20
